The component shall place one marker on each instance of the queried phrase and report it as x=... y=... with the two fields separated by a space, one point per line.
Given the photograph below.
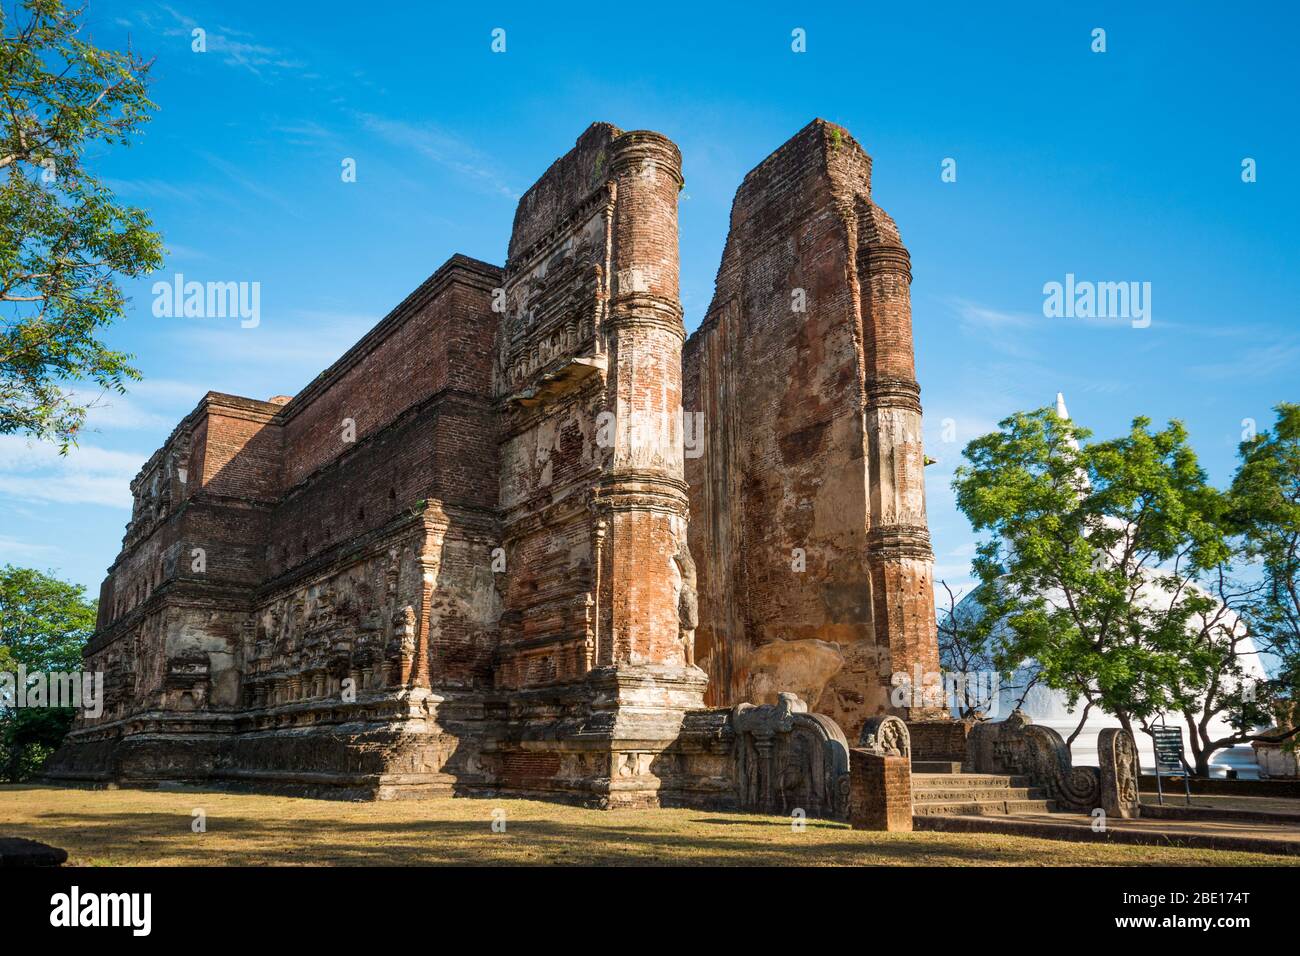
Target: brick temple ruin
x=472 y=556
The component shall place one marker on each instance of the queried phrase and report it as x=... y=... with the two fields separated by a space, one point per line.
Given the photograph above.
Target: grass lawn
x=153 y=828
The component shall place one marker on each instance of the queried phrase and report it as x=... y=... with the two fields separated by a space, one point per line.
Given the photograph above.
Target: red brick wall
x=939 y=739
x=240 y=448
x=593 y=328
x=790 y=460
x=269 y=488
x=440 y=337
x=880 y=792
x=417 y=387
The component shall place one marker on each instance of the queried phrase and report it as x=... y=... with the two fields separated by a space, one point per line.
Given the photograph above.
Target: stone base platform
x=626 y=737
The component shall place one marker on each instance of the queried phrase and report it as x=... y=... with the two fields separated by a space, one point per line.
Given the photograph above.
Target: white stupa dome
x=1050 y=708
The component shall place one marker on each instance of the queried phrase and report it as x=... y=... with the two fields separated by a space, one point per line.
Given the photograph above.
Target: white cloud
x=150 y=404
x=33 y=471
x=16 y=550
x=1003 y=331
x=1261 y=362
x=156 y=189
x=976 y=317
x=299 y=350
x=250 y=185
x=223 y=43
x=442 y=148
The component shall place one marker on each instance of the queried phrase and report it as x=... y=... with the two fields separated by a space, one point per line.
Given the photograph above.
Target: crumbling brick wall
x=476 y=519
x=271 y=540
x=807 y=505
x=589 y=368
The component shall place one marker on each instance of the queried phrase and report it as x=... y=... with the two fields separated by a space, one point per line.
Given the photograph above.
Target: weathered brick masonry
x=807 y=520
x=458 y=559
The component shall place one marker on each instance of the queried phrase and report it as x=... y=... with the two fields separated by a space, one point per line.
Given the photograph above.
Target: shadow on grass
x=146 y=828
x=810 y=822
x=249 y=840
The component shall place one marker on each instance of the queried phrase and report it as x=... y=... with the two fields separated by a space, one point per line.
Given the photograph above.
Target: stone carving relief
x=688 y=604
x=632 y=764
x=404 y=631
x=886 y=736
x=1118 y=755
x=554 y=301
x=159 y=487
x=350 y=626
x=788 y=759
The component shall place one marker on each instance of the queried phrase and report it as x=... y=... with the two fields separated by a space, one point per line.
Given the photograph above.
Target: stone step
x=1258 y=838
x=976 y=794
x=964 y=780
x=982 y=808
x=936 y=766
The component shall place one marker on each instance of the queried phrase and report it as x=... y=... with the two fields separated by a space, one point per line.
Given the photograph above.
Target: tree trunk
x=1069 y=743
x=1200 y=756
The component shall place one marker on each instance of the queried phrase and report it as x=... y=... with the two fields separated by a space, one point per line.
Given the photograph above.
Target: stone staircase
x=940 y=788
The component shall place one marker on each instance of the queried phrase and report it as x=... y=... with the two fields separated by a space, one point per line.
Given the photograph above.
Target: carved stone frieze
x=887 y=736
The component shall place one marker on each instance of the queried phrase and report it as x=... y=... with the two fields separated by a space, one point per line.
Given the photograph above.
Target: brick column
x=880 y=792
x=642 y=494
x=898 y=539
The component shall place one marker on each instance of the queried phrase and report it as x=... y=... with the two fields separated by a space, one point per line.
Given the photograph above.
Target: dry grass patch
x=153 y=828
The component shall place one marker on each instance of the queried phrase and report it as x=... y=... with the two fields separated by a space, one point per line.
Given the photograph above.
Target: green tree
x=44 y=625
x=1265 y=511
x=64 y=237
x=1216 y=681
x=966 y=635
x=1094 y=558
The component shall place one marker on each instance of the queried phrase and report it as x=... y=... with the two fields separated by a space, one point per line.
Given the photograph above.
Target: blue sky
x=1115 y=166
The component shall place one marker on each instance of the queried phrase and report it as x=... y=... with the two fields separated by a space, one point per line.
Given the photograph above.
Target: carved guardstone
x=887 y=736
x=1118 y=754
x=788 y=759
x=1018 y=746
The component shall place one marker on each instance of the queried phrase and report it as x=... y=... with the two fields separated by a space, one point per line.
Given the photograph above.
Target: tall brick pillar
x=645 y=685
x=593 y=496
x=900 y=561
x=642 y=495
x=802 y=371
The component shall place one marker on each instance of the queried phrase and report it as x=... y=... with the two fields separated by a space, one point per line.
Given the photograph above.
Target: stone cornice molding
x=893 y=393
x=899 y=542
x=636 y=147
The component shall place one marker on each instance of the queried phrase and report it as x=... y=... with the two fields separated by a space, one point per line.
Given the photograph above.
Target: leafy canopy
x=64 y=237
x=1093 y=555
x=1266 y=513
x=44 y=624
